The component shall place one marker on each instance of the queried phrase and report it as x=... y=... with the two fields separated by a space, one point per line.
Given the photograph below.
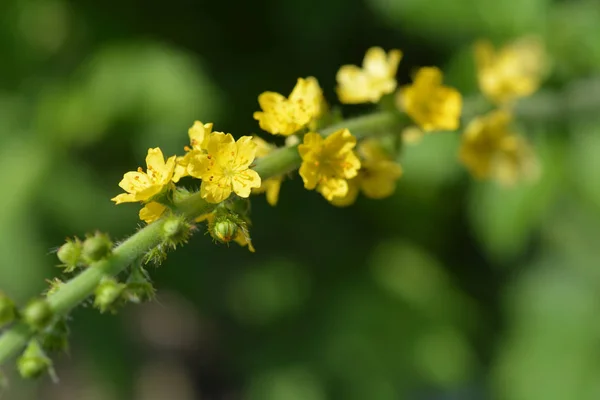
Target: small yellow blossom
x=199 y=134
x=152 y=211
x=513 y=71
x=225 y=167
x=430 y=104
x=376 y=78
x=142 y=186
x=328 y=163
x=490 y=149
x=285 y=116
x=269 y=186
x=377 y=175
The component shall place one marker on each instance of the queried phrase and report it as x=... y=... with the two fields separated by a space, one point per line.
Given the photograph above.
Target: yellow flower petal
x=272 y=188
x=327 y=163
x=513 y=71
x=350 y=196
x=151 y=212
x=142 y=186
x=199 y=134
x=225 y=167
x=244 y=181
x=430 y=104
x=375 y=79
x=489 y=149
x=286 y=116
x=214 y=192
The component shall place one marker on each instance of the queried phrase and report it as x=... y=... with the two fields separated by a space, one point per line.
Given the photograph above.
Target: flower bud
x=70 y=254
x=139 y=287
x=107 y=293
x=96 y=248
x=174 y=227
x=7 y=310
x=37 y=314
x=33 y=362
x=223 y=229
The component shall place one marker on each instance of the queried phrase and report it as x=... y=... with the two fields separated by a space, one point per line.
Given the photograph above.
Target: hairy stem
x=544 y=105
x=72 y=293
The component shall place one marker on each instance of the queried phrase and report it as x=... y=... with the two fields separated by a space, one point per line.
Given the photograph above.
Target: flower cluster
x=490 y=148
x=330 y=155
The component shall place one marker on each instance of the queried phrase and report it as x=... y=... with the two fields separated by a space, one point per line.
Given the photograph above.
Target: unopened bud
x=33 y=362
x=224 y=229
x=37 y=314
x=96 y=248
x=70 y=254
x=8 y=311
x=174 y=227
x=107 y=293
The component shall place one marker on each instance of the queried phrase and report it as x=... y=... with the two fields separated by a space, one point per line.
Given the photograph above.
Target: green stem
x=76 y=290
x=540 y=106
x=287 y=159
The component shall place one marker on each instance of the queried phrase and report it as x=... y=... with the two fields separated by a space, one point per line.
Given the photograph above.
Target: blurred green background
x=451 y=289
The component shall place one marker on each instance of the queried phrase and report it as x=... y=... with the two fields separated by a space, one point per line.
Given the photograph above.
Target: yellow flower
x=152 y=211
x=142 y=186
x=512 y=72
x=199 y=134
x=286 y=116
x=328 y=163
x=269 y=186
x=430 y=104
x=490 y=150
x=377 y=175
x=225 y=167
x=376 y=78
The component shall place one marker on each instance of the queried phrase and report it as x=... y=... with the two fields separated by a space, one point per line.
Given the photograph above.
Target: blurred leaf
x=165 y=89
x=550 y=350
x=572 y=37
x=291 y=383
x=268 y=291
x=431 y=162
x=22 y=254
x=451 y=21
x=584 y=163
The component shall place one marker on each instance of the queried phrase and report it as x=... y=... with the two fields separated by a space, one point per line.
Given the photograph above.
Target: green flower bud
x=139 y=288
x=33 y=362
x=96 y=247
x=107 y=294
x=70 y=254
x=223 y=229
x=180 y=194
x=53 y=285
x=55 y=338
x=176 y=231
x=8 y=311
x=174 y=227
x=37 y=314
